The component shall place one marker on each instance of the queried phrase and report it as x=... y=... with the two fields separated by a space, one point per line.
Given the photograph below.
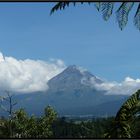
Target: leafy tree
x=4 y=128
x=32 y=127
x=63 y=128
x=107 y=9
x=20 y=122
x=50 y=114
x=45 y=123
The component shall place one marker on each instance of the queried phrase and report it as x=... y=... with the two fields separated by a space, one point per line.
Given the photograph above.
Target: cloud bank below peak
x=127 y=87
x=25 y=76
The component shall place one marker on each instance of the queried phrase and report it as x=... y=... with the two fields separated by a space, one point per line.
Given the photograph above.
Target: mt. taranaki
x=72 y=92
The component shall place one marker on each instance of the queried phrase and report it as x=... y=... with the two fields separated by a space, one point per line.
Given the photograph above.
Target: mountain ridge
x=70 y=93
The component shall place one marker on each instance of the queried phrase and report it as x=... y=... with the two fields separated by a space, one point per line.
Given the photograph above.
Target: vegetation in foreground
x=126 y=124
x=50 y=126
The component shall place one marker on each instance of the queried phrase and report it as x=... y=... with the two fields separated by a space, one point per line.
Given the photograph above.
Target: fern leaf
x=63 y=5
x=97 y=5
x=106 y=8
x=59 y=6
x=122 y=13
x=125 y=116
x=137 y=18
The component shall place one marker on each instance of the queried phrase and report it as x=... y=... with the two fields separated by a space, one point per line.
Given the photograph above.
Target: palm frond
x=137 y=18
x=107 y=8
x=122 y=13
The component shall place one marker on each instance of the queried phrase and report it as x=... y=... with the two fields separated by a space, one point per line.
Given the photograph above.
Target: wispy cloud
x=27 y=75
x=127 y=87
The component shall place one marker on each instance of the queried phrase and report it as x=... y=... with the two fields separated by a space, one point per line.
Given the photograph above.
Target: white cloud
x=81 y=69
x=27 y=75
x=126 y=87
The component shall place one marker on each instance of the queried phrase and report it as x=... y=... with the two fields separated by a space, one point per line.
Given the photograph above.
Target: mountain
x=71 y=93
x=71 y=78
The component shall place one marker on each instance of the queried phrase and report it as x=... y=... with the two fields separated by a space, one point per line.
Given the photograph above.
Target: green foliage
x=50 y=114
x=126 y=124
x=136 y=128
x=23 y=126
x=20 y=122
x=125 y=117
x=4 y=128
x=32 y=127
x=107 y=8
x=44 y=124
x=63 y=128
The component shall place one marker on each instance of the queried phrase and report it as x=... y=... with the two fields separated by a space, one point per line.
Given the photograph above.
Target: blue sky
x=77 y=35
